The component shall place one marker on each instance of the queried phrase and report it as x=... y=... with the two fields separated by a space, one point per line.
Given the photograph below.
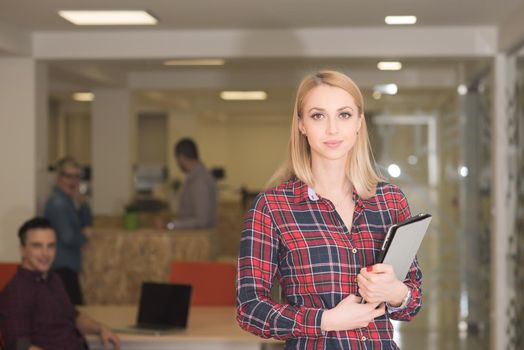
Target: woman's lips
x=332 y=144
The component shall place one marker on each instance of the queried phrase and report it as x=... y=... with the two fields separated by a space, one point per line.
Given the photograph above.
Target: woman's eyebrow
x=345 y=107
x=316 y=109
x=322 y=109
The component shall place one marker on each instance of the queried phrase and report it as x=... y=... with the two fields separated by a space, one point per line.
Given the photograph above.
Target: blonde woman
x=319 y=233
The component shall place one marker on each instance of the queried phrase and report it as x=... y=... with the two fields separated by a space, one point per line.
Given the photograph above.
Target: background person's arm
x=86 y=216
x=204 y=205
x=86 y=325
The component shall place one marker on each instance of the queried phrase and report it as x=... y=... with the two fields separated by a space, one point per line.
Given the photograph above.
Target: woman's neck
x=330 y=177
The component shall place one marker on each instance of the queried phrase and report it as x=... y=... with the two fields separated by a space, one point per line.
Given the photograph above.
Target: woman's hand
x=378 y=283
x=350 y=314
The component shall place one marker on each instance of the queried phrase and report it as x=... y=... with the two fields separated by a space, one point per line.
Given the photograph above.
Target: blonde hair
x=360 y=171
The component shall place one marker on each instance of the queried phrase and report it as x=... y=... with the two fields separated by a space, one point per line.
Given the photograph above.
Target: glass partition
x=517 y=314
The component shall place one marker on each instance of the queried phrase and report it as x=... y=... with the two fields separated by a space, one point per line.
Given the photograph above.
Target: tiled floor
x=445 y=339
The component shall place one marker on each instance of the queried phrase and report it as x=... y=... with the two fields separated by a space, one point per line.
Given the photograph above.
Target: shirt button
x=356 y=280
x=363 y=338
x=354 y=250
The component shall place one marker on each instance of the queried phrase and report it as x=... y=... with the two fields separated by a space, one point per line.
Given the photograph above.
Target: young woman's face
x=330 y=121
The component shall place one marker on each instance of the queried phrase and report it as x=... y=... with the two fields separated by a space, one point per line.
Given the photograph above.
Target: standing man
x=198 y=200
x=70 y=215
x=35 y=310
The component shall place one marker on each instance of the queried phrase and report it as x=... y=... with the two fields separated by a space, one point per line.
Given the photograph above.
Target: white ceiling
x=41 y=16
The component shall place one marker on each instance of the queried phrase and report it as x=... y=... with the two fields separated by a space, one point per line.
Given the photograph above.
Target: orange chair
x=7 y=271
x=213 y=282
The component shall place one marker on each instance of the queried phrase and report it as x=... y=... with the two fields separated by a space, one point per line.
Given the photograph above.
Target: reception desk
x=116 y=262
x=208 y=328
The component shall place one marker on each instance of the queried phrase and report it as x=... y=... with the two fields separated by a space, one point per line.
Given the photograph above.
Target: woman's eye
x=317 y=116
x=345 y=115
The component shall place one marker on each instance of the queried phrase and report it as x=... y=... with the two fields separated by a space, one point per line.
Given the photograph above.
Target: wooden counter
x=116 y=262
x=208 y=328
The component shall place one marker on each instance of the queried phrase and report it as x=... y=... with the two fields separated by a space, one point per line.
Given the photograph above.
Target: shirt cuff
x=312 y=321
x=392 y=309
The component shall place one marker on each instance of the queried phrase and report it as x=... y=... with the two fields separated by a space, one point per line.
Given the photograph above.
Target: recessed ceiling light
x=243 y=95
x=389 y=65
x=462 y=89
x=463 y=171
x=196 y=62
x=108 y=18
x=387 y=89
x=398 y=20
x=83 y=96
x=412 y=159
x=394 y=170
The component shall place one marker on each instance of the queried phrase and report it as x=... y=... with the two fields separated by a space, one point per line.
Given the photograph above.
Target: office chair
x=213 y=282
x=7 y=271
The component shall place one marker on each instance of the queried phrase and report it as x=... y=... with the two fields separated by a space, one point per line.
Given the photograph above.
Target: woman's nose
x=332 y=126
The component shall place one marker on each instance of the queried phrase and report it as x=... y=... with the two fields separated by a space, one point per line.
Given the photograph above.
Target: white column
x=504 y=201
x=111 y=152
x=44 y=179
x=23 y=147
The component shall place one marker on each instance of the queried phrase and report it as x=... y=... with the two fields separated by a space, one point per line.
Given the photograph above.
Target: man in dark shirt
x=35 y=310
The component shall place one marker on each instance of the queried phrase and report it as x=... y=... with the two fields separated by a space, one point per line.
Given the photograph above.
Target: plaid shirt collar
x=303 y=193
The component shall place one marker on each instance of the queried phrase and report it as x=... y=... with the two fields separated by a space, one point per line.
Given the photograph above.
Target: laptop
x=163 y=308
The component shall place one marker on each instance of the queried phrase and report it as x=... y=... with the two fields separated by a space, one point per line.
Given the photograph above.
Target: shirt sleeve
x=57 y=212
x=257 y=266
x=86 y=217
x=414 y=277
x=16 y=318
x=204 y=206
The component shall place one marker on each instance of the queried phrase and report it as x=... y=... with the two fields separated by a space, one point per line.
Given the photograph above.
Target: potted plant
x=131 y=217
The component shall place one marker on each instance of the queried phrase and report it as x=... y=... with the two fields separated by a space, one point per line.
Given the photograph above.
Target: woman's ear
x=360 y=122
x=301 y=127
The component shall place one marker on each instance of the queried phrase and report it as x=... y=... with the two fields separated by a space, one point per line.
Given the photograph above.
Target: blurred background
x=446 y=124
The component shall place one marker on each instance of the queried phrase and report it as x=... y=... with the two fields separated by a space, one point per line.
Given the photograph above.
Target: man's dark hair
x=187 y=147
x=32 y=224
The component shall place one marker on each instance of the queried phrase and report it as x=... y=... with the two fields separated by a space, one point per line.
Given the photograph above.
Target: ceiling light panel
x=108 y=18
x=243 y=95
x=401 y=20
x=389 y=65
x=196 y=62
x=387 y=89
x=83 y=96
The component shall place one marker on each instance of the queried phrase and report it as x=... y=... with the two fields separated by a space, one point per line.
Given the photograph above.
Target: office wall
x=249 y=150
x=23 y=135
x=111 y=148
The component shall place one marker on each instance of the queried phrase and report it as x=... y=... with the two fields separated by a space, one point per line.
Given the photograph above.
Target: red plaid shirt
x=299 y=238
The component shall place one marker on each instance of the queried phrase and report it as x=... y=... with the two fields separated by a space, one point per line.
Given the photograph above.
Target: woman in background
x=320 y=231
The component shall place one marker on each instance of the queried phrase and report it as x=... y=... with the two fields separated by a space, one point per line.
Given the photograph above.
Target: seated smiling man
x=35 y=310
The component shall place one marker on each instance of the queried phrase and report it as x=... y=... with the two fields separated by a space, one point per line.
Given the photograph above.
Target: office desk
x=209 y=328
x=116 y=262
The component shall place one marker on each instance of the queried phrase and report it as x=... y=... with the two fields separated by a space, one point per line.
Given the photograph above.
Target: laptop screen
x=164 y=304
